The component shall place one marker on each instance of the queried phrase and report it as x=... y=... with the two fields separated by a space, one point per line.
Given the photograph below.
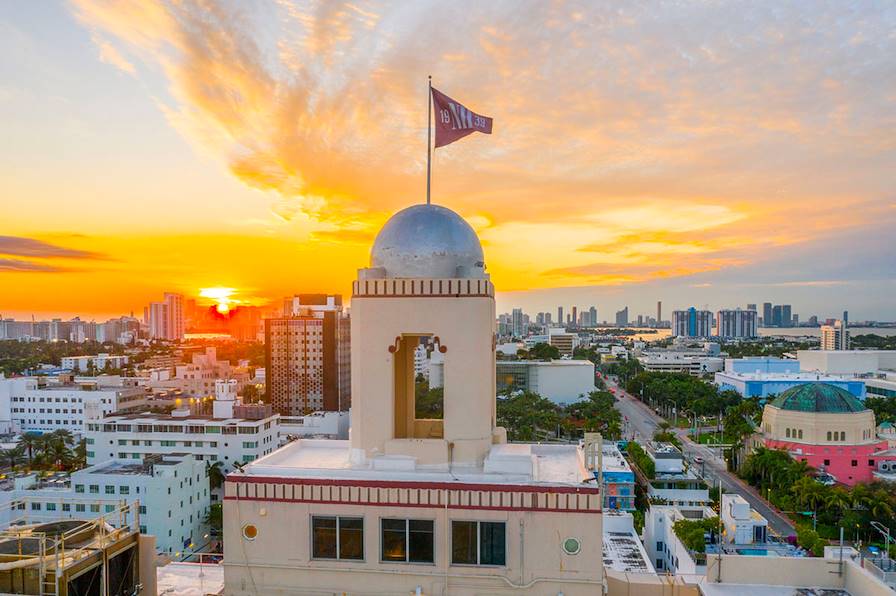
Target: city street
x=640 y=422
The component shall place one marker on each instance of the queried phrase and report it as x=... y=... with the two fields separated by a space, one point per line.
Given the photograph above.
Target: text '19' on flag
x=454 y=120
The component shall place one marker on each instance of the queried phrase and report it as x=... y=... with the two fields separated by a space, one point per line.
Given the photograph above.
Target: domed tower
x=426 y=280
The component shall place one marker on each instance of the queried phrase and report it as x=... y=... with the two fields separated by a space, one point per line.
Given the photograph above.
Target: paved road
x=640 y=422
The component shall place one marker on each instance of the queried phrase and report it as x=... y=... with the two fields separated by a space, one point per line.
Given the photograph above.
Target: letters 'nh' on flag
x=455 y=121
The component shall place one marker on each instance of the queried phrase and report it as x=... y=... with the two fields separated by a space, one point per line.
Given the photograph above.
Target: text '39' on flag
x=454 y=120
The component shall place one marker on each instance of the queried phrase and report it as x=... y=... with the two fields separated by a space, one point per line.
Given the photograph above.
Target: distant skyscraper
x=307 y=356
x=777 y=319
x=692 y=323
x=845 y=318
x=751 y=307
x=767 y=315
x=539 y=319
x=659 y=312
x=592 y=314
x=547 y=318
x=786 y=316
x=175 y=323
x=158 y=320
x=517 y=322
x=560 y=315
x=736 y=323
x=622 y=317
x=835 y=337
x=575 y=316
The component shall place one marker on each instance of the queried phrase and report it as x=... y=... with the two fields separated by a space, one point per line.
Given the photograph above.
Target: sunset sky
x=696 y=153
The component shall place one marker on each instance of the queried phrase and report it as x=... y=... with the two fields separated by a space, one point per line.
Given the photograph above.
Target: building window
x=827 y=462
x=79 y=488
x=66 y=507
x=124 y=490
x=787 y=433
x=337 y=538
x=408 y=540
x=477 y=543
x=110 y=490
x=871 y=463
x=800 y=433
x=79 y=507
x=854 y=463
x=94 y=489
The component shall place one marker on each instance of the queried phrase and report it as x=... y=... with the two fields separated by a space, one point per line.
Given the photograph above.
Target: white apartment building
x=234 y=433
x=674 y=482
x=835 y=337
x=43 y=405
x=99 y=361
x=172 y=490
x=665 y=549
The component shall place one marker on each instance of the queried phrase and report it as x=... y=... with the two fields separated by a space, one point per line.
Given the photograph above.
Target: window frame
x=338 y=556
x=478 y=562
x=407 y=540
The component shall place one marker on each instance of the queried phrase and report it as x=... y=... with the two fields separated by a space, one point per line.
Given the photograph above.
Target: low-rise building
x=665 y=549
x=742 y=524
x=673 y=482
x=760 y=365
x=172 y=491
x=751 y=384
x=846 y=362
x=618 y=480
x=41 y=404
x=99 y=362
x=561 y=381
x=669 y=361
x=826 y=427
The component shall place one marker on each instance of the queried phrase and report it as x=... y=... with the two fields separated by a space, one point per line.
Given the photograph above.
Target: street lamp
x=885 y=531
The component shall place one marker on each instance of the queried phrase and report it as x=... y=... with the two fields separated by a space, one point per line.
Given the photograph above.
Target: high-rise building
x=845 y=318
x=517 y=323
x=659 y=312
x=547 y=318
x=539 y=319
x=692 y=323
x=777 y=319
x=751 y=307
x=559 y=315
x=575 y=316
x=813 y=321
x=767 y=315
x=622 y=317
x=175 y=319
x=592 y=315
x=736 y=323
x=786 y=316
x=307 y=358
x=835 y=337
x=158 y=320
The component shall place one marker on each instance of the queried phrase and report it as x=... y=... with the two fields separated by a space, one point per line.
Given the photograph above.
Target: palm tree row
x=51 y=451
x=790 y=485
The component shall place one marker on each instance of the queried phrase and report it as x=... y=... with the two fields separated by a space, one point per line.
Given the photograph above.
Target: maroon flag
x=454 y=121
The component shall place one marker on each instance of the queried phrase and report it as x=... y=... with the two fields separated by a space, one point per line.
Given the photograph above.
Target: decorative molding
x=395 y=345
x=438 y=342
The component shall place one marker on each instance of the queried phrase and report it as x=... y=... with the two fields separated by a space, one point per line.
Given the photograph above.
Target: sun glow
x=223 y=297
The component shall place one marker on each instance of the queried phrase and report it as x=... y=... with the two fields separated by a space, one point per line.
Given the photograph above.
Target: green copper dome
x=818 y=397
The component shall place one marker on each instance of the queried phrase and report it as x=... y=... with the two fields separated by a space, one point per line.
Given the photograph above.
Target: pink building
x=828 y=428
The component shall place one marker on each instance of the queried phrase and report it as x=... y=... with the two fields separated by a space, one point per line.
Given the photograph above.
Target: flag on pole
x=455 y=121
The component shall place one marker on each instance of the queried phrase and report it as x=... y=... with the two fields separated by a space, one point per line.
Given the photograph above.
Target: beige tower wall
x=465 y=328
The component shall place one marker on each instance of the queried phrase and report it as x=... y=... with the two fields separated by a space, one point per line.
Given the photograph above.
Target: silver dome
x=427 y=241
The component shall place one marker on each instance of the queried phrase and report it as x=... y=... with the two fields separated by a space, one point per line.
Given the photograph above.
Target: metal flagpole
x=428 y=140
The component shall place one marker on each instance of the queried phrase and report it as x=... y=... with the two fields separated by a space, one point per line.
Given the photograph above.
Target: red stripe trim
x=417 y=505
x=513 y=488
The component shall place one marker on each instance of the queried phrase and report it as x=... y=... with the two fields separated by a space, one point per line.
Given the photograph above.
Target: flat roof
x=190 y=579
x=149 y=418
x=505 y=464
x=709 y=588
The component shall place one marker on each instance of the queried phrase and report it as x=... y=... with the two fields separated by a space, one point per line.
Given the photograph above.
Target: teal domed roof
x=818 y=397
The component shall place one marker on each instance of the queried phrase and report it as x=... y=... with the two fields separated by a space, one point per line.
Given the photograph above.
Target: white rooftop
x=510 y=463
x=613 y=461
x=622 y=550
x=190 y=579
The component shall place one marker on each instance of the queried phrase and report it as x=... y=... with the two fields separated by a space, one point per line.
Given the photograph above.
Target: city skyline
x=774 y=187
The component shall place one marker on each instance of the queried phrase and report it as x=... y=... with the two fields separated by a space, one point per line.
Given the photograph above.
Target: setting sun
x=222 y=297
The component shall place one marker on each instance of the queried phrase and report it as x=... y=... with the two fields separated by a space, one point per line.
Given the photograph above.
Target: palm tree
x=64 y=434
x=215 y=474
x=839 y=499
x=30 y=442
x=12 y=456
x=58 y=453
